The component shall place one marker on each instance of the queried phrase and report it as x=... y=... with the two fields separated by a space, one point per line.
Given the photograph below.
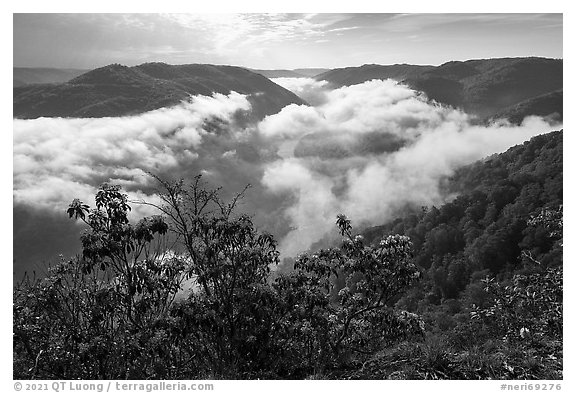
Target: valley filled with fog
x=301 y=196
x=369 y=151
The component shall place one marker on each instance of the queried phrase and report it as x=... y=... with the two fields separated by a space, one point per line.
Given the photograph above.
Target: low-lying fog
x=366 y=151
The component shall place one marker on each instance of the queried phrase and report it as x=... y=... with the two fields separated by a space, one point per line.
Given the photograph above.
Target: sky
x=279 y=41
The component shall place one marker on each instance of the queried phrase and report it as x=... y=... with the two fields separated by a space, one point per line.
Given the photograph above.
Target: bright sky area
x=279 y=41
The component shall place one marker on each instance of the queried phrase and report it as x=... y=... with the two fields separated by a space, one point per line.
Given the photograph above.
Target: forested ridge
x=471 y=289
x=485 y=227
x=503 y=227
x=117 y=90
x=510 y=88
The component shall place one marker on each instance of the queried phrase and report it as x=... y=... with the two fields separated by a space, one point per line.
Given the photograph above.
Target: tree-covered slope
x=117 y=90
x=481 y=87
x=485 y=228
x=354 y=75
x=491 y=293
x=548 y=104
x=473 y=292
x=484 y=87
x=279 y=73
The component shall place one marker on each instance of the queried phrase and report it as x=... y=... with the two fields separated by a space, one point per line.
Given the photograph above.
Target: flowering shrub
x=120 y=310
x=341 y=298
x=528 y=307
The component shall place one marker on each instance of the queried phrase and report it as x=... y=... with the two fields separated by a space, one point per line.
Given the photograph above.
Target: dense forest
x=498 y=247
x=471 y=289
x=498 y=88
x=118 y=90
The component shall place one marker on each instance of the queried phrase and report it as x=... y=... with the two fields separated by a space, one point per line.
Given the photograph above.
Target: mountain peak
x=113 y=74
x=118 y=90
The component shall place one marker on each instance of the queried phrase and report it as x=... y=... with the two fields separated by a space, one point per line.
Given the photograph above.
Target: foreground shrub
x=188 y=294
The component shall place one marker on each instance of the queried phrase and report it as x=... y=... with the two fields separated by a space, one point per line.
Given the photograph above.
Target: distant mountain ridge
x=311 y=72
x=347 y=76
x=297 y=73
x=279 y=73
x=485 y=87
x=548 y=104
x=118 y=90
x=510 y=88
x=481 y=87
x=29 y=75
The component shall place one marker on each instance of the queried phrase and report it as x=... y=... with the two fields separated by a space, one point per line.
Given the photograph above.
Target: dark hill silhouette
x=311 y=72
x=485 y=87
x=117 y=90
x=549 y=104
x=354 y=75
x=480 y=87
x=279 y=73
x=297 y=73
x=30 y=75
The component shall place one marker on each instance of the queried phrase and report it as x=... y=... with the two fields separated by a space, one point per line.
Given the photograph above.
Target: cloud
x=315 y=203
x=56 y=159
x=367 y=151
x=266 y=41
x=373 y=106
x=309 y=89
x=370 y=150
x=181 y=38
x=411 y=175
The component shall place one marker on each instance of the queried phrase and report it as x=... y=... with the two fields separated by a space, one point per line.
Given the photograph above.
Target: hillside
x=480 y=87
x=354 y=75
x=297 y=73
x=279 y=73
x=311 y=72
x=491 y=289
x=484 y=87
x=485 y=226
x=549 y=104
x=117 y=90
x=30 y=75
x=475 y=291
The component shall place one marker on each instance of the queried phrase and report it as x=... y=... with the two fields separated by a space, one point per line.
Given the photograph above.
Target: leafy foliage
x=472 y=289
x=492 y=269
x=85 y=320
x=489 y=225
x=514 y=332
x=190 y=294
x=339 y=300
x=529 y=307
